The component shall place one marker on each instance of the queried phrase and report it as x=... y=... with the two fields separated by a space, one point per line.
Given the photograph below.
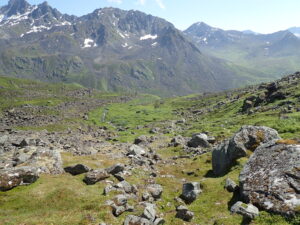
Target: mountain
x=295 y=31
x=110 y=49
x=272 y=54
x=249 y=32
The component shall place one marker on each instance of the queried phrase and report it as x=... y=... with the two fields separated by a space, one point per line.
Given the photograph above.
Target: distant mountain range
x=272 y=54
x=116 y=50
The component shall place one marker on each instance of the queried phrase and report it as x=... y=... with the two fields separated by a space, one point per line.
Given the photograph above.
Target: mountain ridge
x=272 y=54
x=111 y=49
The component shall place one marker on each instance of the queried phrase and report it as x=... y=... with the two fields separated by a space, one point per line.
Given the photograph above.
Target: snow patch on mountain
x=148 y=36
x=16 y=19
x=36 y=29
x=89 y=43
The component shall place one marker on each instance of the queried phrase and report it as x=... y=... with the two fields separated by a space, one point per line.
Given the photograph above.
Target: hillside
x=271 y=54
x=71 y=125
x=110 y=50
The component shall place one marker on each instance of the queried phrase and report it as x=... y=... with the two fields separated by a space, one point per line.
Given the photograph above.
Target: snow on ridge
x=125 y=45
x=122 y=35
x=36 y=29
x=148 y=36
x=16 y=19
x=88 y=43
x=154 y=44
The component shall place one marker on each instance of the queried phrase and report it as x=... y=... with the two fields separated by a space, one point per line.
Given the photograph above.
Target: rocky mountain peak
x=15 y=7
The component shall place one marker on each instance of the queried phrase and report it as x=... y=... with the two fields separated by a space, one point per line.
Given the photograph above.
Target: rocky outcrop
x=248 y=138
x=13 y=177
x=271 y=178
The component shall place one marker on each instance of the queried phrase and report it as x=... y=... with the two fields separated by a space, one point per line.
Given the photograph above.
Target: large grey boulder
x=77 y=169
x=199 y=140
x=95 y=176
x=248 y=138
x=271 y=178
x=247 y=210
x=190 y=191
x=13 y=177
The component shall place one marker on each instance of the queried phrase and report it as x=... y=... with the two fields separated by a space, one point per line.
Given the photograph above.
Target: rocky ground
x=164 y=170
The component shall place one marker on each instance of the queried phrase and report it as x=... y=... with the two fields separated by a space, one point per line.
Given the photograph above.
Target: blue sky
x=264 y=16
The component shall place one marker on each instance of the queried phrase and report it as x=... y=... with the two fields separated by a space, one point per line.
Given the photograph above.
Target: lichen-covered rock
x=46 y=161
x=271 y=178
x=248 y=138
x=247 y=210
x=95 y=176
x=13 y=177
x=77 y=169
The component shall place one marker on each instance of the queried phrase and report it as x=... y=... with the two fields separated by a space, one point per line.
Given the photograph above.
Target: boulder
x=119 y=205
x=126 y=187
x=13 y=177
x=155 y=190
x=248 y=138
x=95 y=176
x=46 y=161
x=271 y=178
x=230 y=185
x=190 y=191
x=199 y=140
x=136 y=150
x=149 y=212
x=77 y=169
x=184 y=214
x=136 y=220
x=247 y=210
x=115 y=169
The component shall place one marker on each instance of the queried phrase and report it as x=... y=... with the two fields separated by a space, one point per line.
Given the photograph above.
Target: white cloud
x=115 y=1
x=159 y=3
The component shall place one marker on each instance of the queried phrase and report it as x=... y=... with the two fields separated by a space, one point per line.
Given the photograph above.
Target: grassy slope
x=66 y=199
